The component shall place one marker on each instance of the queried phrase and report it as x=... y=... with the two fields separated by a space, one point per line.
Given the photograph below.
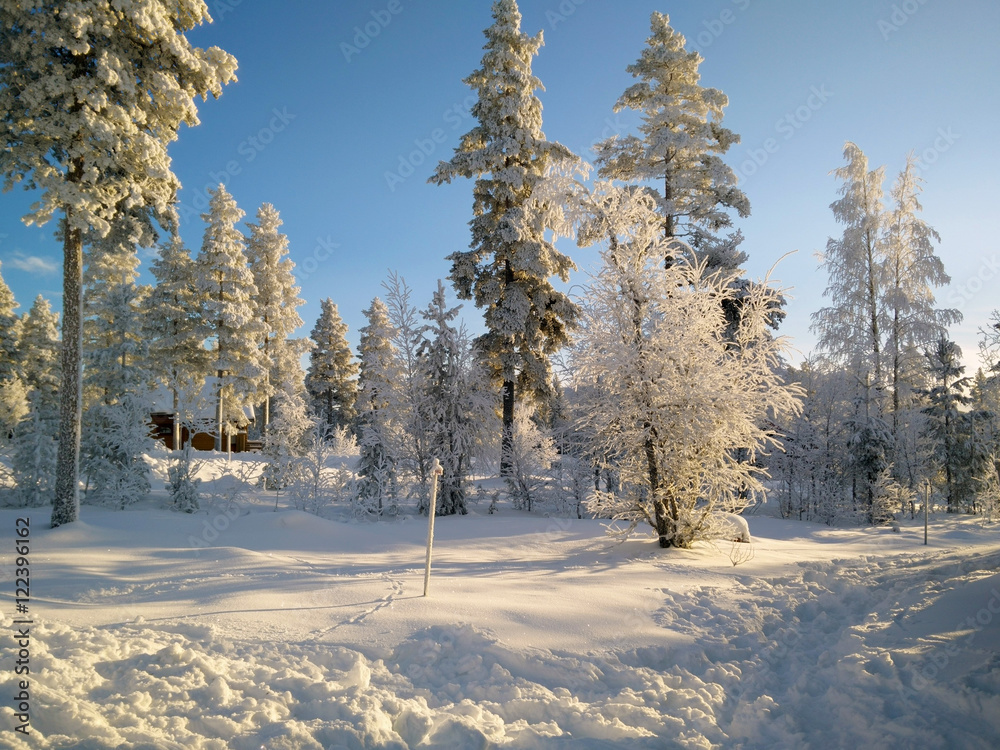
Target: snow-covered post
x=436 y=471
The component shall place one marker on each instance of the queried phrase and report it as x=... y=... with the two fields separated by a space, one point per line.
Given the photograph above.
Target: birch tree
x=91 y=94
x=684 y=403
x=508 y=268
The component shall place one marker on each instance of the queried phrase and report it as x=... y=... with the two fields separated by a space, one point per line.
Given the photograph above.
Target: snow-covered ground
x=256 y=629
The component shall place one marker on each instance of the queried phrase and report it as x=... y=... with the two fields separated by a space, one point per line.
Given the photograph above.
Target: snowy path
x=301 y=634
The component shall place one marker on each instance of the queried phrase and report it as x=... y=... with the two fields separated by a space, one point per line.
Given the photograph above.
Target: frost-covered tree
x=948 y=397
x=508 y=268
x=456 y=404
x=287 y=436
x=851 y=329
x=39 y=357
x=679 y=150
x=532 y=456
x=33 y=459
x=174 y=329
x=331 y=379
x=870 y=445
x=379 y=378
x=407 y=338
x=684 y=402
x=227 y=297
x=277 y=300
x=13 y=393
x=91 y=94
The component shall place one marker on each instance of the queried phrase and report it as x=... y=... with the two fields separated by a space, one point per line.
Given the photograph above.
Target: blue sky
x=339 y=126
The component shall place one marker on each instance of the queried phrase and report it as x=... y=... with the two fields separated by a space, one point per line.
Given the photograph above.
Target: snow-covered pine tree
x=870 y=445
x=532 y=455
x=682 y=396
x=947 y=419
x=277 y=300
x=91 y=94
x=331 y=378
x=679 y=149
x=174 y=330
x=851 y=330
x=407 y=338
x=39 y=367
x=456 y=404
x=34 y=454
x=508 y=269
x=379 y=377
x=227 y=298
x=13 y=393
x=287 y=437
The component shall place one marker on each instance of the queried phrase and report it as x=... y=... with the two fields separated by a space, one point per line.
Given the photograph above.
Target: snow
x=247 y=628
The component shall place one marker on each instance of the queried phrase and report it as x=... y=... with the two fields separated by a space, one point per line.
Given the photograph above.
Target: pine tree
x=174 y=330
x=682 y=400
x=330 y=381
x=680 y=148
x=379 y=378
x=39 y=358
x=277 y=300
x=13 y=394
x=507 y=270
x=456 y=405
x=91 y=94
x=287 y=437
x=947 y=399
x=227 y=296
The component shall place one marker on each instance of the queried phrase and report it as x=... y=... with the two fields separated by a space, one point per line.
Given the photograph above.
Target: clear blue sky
x=319 y=129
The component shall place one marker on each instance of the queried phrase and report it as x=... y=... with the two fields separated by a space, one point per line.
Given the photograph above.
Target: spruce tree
x=679 y=149
x=227 y=297
x=175 y=330
x=948 y=399
x=331 y=378
x=277 y=300
x=91 y=94
x=13 y=394
x=379 y=376
x=508 y=269
x=39 y=368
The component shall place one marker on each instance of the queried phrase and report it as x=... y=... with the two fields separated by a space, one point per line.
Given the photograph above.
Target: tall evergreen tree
x=507 y=271
x=679 y=149
x=331 y=378
x=13 y=394
x=277 y=300
x=174 y=330
x=227 y=297
x=39 y=357
x=455 y=405
x=948 y=398
x=379 y=376
x=91 y=94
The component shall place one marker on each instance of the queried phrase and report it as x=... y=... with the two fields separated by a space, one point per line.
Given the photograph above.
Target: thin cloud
x=33 y=263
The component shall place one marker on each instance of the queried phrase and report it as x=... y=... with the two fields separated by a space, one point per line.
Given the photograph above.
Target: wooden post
x=927 y=497
x=436 y=471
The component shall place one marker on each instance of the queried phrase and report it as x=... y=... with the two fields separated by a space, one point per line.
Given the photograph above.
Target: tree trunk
x=509 y=395
x=66 y=504
x=218 y=414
